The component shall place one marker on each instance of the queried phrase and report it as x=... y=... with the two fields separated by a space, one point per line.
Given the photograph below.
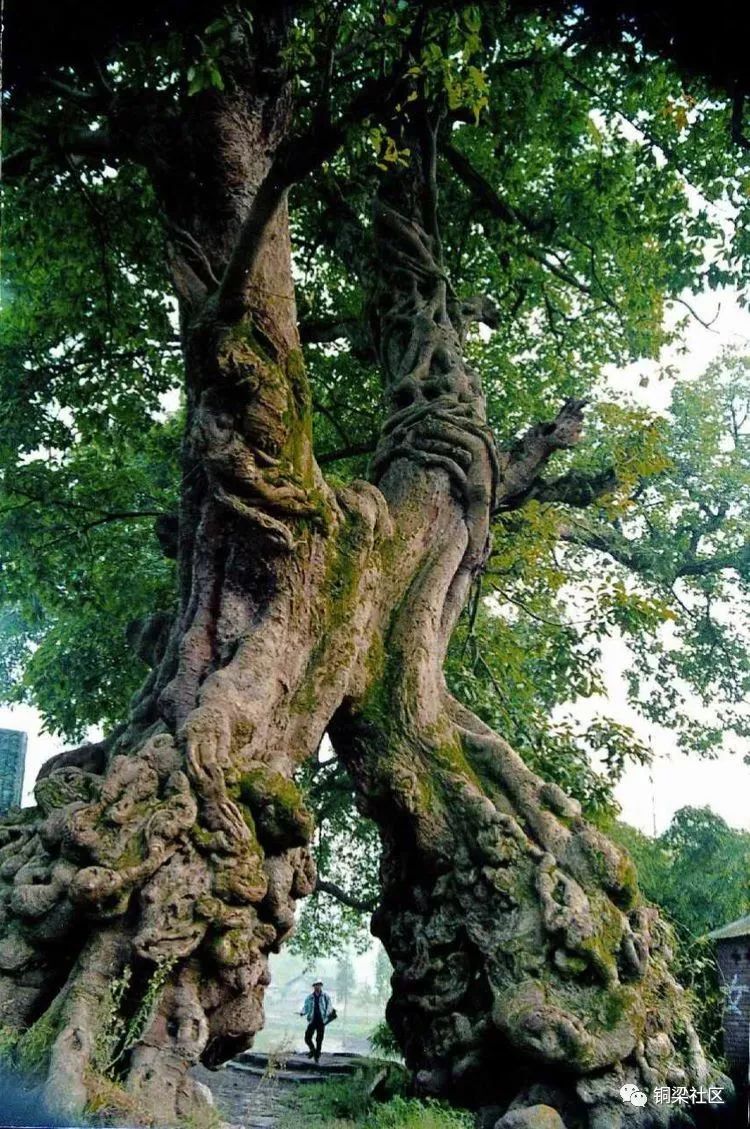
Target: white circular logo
x=630 y=1093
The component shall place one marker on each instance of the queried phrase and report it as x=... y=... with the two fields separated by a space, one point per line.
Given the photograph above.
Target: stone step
x=336 y=1063
x=293 y=1077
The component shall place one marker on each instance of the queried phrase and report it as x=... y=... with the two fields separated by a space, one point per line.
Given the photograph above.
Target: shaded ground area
x=256 y=1090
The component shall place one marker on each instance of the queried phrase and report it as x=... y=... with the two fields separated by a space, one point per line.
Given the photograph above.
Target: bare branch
x=694 y=313
x=361 y=905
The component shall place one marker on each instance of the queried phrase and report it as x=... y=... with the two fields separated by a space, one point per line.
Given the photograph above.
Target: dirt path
x=255 y=1093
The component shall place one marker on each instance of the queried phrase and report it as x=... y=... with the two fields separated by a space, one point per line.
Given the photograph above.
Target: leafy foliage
x=80 y=562
x=698 y=872
x=88 y=353
x=383 y=1041
x=347 y=853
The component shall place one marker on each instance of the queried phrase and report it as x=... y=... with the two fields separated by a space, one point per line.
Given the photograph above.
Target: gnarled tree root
x=521 y=947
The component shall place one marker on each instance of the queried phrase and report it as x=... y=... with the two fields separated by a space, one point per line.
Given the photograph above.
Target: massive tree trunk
x=177 y=848
x=527 y=968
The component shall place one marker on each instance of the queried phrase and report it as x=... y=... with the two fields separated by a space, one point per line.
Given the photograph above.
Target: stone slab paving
x=252 y=1094
x=245 y=1100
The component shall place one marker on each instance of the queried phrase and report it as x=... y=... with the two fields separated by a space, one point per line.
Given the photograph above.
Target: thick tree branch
x=610 y=542
x=298 y=157
x=481 y=308
x=347 y=452
x=269 y=197
x=324 y=331
x=522 y=462
x=488 y=198
x=738 y=561
x=642 y=559
x=577 y=488
x=75 y=146
x=361 y=905
x=482 y=190
x=71 y=531
x=87 y=98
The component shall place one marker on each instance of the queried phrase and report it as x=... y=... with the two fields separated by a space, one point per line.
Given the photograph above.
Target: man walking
x=318 y=1011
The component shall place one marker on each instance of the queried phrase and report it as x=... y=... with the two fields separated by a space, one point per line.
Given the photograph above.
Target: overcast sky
x=650 y=796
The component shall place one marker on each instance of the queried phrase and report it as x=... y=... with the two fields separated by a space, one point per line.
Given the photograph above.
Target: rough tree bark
x=522 y=951
x=180 y=842
x=527 y=967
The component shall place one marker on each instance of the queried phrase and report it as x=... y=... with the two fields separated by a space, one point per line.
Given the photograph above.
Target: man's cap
x=316 y=982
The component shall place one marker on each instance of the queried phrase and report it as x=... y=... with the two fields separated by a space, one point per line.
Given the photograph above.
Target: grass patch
x=347 y=1103
x=344 y=1100
x=8 y=1043
x=408 y=1113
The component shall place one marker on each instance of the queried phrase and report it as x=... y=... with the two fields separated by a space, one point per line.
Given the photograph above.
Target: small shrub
x=109 y=1101
x=383 y=1041
x=342 y=1099
x=34 y=1046
x=207 y=1117
x=278 y=1056
x=117 y=1035
x=8 y=1042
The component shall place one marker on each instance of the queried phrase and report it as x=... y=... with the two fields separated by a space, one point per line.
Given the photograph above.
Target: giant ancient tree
x=305 y=604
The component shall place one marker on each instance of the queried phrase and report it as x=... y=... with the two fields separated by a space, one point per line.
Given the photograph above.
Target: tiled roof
x=739 y=928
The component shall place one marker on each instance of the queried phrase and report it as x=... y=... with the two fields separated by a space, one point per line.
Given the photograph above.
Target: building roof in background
x=738 y=928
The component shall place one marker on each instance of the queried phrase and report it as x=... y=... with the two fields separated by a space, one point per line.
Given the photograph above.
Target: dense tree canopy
x=579 y=183
x=697 y=871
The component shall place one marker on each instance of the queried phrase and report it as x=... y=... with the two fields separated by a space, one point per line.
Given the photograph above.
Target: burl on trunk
x=176 y=849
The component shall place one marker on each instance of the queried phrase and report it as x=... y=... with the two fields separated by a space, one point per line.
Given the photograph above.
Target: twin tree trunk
x=177 y=849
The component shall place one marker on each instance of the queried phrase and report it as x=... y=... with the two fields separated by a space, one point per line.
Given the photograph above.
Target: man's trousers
x=315 y=1028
